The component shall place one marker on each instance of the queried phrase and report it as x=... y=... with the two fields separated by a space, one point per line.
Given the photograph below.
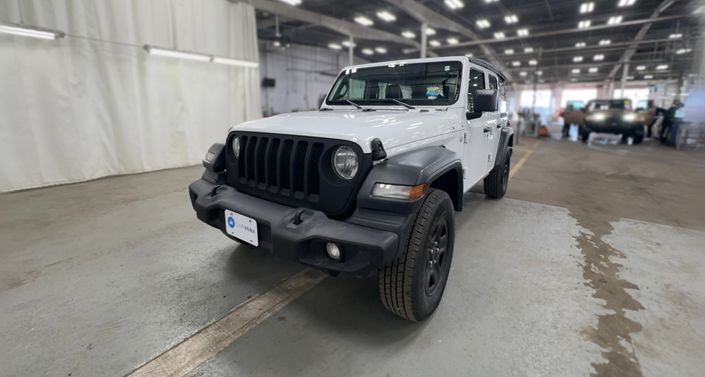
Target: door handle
x=487 y=130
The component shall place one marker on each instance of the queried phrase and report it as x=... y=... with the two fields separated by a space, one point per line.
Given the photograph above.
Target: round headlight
x=345 y=162
x=629 y=117
x=236 y=146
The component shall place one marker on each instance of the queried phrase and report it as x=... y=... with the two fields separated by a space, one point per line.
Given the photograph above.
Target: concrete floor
x=593 y=265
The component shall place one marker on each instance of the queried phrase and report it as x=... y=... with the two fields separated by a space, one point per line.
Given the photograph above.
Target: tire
x=638 y=138
x=584 y=136
x=412 y=286
x=497 y=182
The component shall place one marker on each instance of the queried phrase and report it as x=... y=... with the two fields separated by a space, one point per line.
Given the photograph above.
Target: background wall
x=94 y=103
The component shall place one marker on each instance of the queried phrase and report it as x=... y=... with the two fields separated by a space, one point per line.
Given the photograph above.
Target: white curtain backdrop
x=95 y=103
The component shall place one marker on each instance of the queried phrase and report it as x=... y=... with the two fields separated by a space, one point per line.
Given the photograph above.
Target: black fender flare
x=412 y=168
x=504 y=149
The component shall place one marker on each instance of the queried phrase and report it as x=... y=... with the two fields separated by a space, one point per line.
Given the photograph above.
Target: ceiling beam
x=629 y=52
x=434 y=19
x=606 y=48
x=337 y=25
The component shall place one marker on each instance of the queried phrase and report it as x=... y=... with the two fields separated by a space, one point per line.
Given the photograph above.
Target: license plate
x=241 y=227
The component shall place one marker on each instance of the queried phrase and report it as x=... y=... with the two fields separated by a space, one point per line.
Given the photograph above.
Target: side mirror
x=482 y=101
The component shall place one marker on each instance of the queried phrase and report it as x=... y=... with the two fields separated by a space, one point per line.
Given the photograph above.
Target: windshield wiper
x=398 y=102
x=354 y=104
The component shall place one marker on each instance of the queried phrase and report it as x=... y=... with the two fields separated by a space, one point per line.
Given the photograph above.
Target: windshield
x=430 y=84
x=610 y=105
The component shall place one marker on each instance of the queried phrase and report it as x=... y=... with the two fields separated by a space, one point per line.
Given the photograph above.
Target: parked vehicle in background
x=613 y=116
x=370 y=182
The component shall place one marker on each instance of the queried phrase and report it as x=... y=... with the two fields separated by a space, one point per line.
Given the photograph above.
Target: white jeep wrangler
x=370 y=181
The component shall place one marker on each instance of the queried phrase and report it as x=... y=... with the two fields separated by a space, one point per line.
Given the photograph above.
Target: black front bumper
x=615 y=127
x=369 y=239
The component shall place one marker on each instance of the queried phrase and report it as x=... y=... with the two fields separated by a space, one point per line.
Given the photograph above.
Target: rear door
x=477 y=135
x=495 y=120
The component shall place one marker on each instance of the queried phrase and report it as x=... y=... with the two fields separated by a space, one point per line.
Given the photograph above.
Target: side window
x=493 y=83
x=477 y=80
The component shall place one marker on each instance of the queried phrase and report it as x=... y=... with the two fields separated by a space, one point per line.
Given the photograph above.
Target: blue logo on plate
x=231 y=222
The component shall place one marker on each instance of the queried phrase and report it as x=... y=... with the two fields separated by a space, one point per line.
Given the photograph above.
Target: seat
x=393 y=91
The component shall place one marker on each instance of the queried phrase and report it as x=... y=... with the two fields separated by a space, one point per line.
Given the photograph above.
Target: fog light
x=334 y=251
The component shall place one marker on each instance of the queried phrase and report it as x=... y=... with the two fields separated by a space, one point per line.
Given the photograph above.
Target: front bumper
x=614 y=127
x=369 y=239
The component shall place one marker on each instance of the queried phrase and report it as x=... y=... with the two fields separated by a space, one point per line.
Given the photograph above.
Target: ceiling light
x=454 y=4
x=364 y=21
x=598 y=57
x=491 y=1
x=291 y=2
x=430 y=31
x=386 y=16
x=605 y=42
x=675 y=36
x=573 y=80
x=29 y=31
x=469 y=55
x=408 y=34
x=499 y=35
x=614 y=20
x=575 y=70
x=177 y=54
x=592 y=69
x=584 y=24
x=482 y=23
x=511 y=19
x=509 y=51
x=539 y=73
x=367 y=51
x=648 y=77
x=683 y=51
x=452 y=41
x=334 y=46
x=516 y=63
x=577 y=59
x=640 y=67
x=533 y=62
x=434 y=43
x=661 y=67
x=381 y=50
x=580 y=44
x=277 y=43
x=347 y=43
x=522 y=73
x=587 y=7
x=523 y=32
x=237 y=62
x=625 y=3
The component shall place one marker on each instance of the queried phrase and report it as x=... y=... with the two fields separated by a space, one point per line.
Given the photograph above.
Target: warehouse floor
x=594 y=264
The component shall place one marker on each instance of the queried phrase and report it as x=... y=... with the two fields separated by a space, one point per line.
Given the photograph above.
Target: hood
x=393 y=127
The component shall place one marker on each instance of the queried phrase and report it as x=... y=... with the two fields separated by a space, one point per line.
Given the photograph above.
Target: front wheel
x=412 y=286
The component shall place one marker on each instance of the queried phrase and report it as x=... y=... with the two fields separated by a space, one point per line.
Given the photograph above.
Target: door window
x=477 y=80
x=493 y=82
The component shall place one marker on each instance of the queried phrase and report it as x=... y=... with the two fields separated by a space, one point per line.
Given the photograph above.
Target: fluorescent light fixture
x=648 y=77
x=408 y=34
x=499 y=35
x=367 y=51
x=177 y=54
x=454 y=4
x=625 y=3
x=580 y=44
x=516 y=63
x=533 y=62
x=364 y=21
x=490 y=1
x=614 y=20
x=469 y=55
x=276 y=44
x=592 y=69
x=381 y=50
x=587 y=7
x=574 y=80
x=509 y=51
x=675 y=36
x=577 y=59
x=640 y=67
x=522 y=73
x=598 y=57
x=511 y=19
x=237 y=62
x=539 y=73
x=683 y=51
x=434 y=43
x=291 y=2
x=584 y=24
x=347 y=43
x=528 y=50
x=575 y=70
x=334 y=46
x=430 y=31
x=661 y=67
x=523 y=32
x=605 y=42
x=30 y=31
x=483 y=23
x=386 y=16
x=452 y=41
